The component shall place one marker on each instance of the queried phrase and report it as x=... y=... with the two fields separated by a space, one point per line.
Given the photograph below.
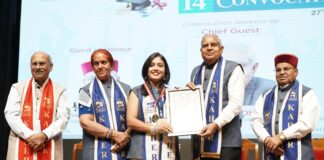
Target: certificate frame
x=185 y=110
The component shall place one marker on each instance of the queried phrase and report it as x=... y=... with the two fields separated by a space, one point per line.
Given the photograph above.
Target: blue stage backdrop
x=71 y=30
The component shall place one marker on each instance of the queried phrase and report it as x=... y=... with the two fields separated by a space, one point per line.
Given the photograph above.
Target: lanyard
x=152 y=97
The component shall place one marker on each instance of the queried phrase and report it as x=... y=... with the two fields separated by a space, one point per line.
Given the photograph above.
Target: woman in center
x=146 y=114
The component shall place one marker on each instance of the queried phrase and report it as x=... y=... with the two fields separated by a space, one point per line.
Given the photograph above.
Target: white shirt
x=13 y=113
x=306 y=120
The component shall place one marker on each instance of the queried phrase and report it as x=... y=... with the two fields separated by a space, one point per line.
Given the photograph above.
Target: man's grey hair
x=43 y=52
x=211 y=35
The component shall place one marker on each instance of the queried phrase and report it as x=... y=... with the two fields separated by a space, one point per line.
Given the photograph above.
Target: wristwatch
x=282 y=137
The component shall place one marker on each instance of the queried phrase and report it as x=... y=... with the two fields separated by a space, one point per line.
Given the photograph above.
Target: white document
x=185 y=109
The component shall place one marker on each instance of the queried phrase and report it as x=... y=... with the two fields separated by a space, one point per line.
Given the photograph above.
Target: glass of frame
x=185 y=109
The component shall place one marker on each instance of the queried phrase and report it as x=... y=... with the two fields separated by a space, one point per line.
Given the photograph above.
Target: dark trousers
x=228 y=153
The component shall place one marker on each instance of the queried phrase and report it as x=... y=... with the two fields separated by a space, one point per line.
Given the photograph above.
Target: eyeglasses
x=285 y=69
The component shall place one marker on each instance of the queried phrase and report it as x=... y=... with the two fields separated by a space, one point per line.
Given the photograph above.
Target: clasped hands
x=274 y=145
x=37 y=141
x=121 y=139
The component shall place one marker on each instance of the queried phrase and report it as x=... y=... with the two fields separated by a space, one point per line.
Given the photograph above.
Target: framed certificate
x=185 y=109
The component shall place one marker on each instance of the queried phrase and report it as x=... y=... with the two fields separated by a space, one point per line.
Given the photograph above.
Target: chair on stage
x=77 y=147
x=250 y=148
x=318 y=146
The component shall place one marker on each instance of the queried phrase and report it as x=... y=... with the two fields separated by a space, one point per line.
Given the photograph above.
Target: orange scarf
x=45 y=116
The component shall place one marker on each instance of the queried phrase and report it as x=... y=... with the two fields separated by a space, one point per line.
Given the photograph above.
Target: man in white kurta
x=285 y=115
x=40 y=136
